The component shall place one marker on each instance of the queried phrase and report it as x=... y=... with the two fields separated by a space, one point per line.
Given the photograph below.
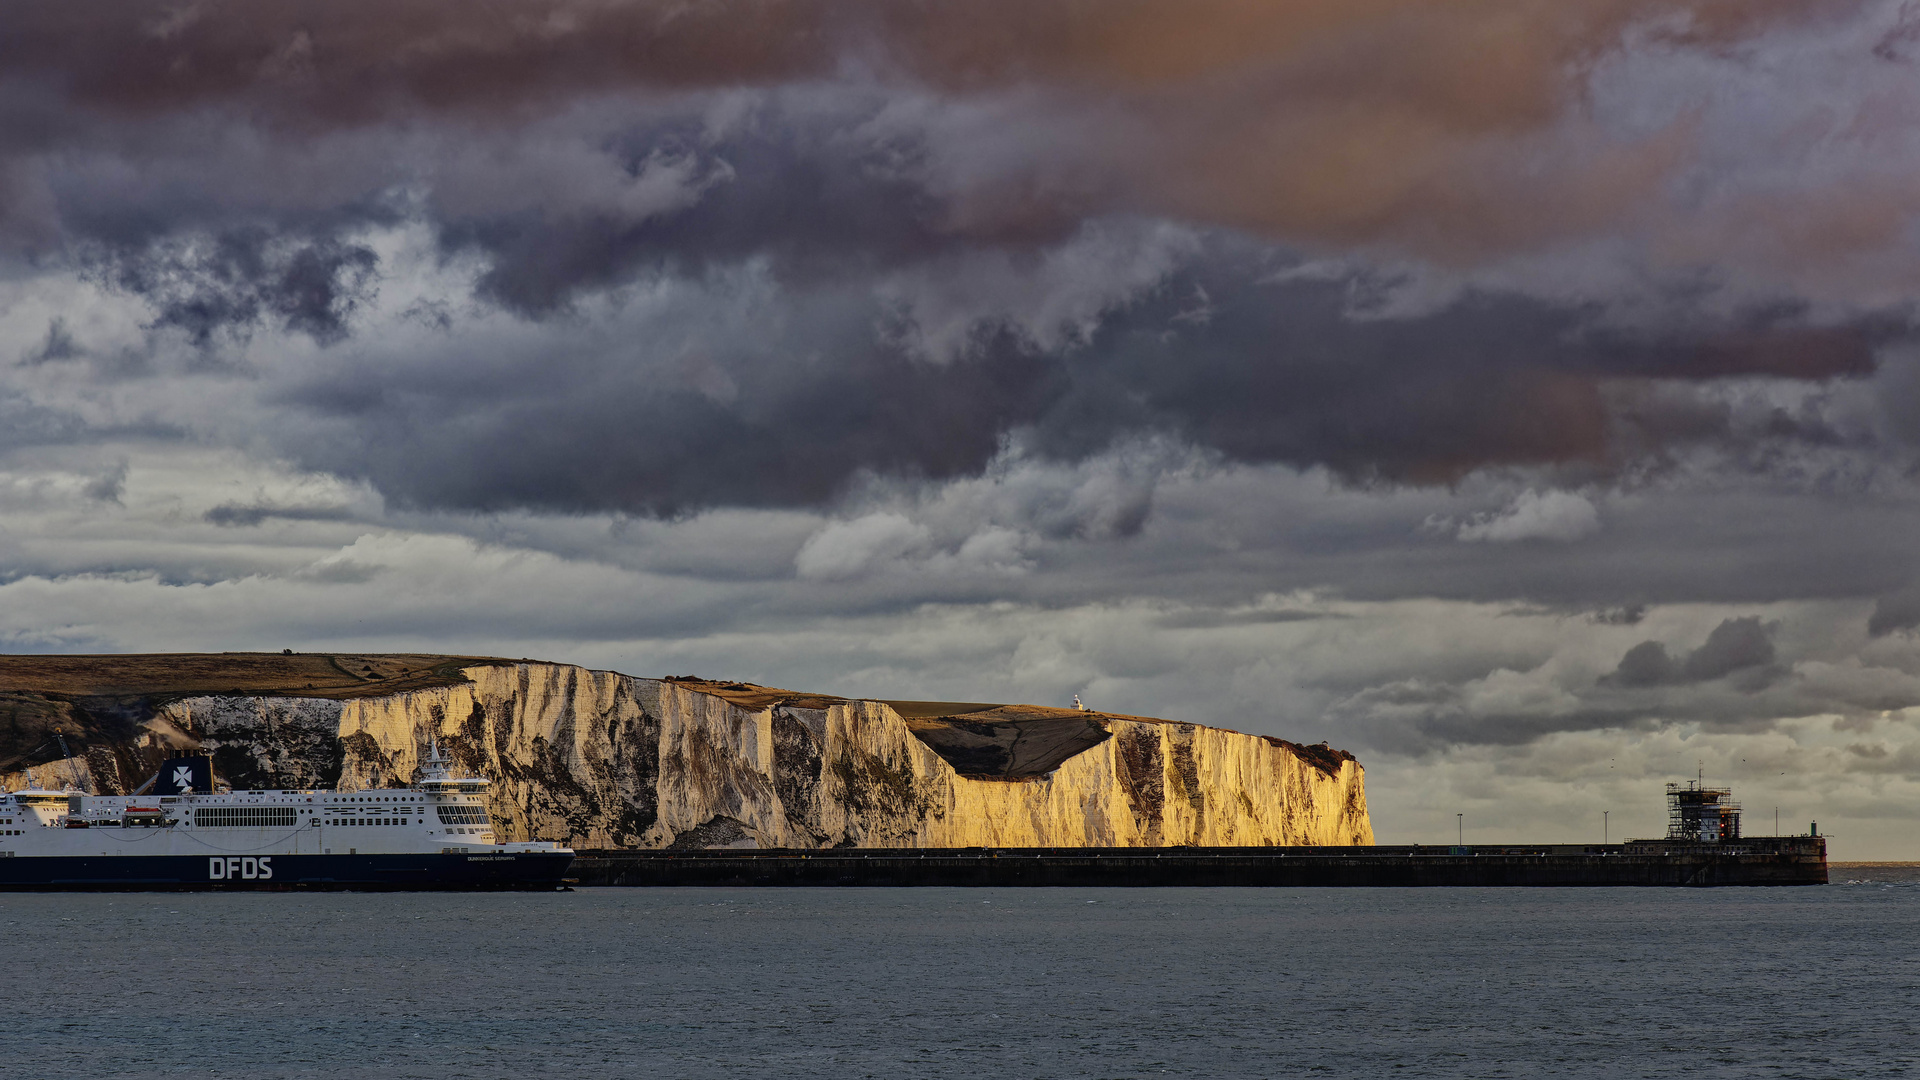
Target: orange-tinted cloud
x=1451 y=130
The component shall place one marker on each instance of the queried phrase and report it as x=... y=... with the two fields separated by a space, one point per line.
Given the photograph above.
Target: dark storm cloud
x=244 y=514
x=1895 y=612
x=1736 y=645
x=1283 y=373
x=1646 y=664
x=615 y=433
x=669 y=418
x=58 y=345
x=26 y=423
x=234 y=280
x=1416 y=718
x=1630 y=615
x=108 y=486
x=1212 y=620
x=1323 y=121
x=794 y=188
x=845 y=147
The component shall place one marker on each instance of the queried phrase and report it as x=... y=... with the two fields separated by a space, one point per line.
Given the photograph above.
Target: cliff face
x=598 y=759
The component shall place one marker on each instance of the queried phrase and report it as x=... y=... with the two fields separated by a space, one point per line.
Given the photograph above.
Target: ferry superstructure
x=180 y=832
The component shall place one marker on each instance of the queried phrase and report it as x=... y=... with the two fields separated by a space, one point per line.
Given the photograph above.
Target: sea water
x=975 y=983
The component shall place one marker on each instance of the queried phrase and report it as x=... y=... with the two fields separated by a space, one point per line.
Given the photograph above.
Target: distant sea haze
x=971 y=983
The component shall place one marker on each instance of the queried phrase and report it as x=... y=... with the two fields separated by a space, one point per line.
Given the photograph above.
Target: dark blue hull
x=515 y=870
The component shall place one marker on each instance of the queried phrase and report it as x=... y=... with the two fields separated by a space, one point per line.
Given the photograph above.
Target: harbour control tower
x=1700 y=814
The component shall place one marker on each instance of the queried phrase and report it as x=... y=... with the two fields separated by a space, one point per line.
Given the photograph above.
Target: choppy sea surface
x=977 y=983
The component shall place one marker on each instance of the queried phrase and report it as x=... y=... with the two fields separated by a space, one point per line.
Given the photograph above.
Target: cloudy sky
x=1522 y=394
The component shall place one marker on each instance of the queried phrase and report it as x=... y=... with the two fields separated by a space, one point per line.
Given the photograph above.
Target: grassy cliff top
x=173 y=675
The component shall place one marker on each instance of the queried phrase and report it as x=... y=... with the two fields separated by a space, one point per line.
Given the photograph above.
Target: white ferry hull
x=434 y=834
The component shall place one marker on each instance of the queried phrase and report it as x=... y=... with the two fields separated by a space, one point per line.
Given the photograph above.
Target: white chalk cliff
x=599 y=759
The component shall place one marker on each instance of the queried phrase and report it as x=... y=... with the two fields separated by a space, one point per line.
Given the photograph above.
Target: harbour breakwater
x=597 y=759
x=1792 y=860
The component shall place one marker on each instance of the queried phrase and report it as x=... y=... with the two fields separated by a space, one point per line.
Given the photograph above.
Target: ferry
x=178 y=831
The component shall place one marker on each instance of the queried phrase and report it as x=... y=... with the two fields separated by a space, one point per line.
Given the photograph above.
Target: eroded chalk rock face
x=599 y=759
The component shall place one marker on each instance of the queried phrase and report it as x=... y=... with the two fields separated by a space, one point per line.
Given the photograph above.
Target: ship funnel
x=185 y=776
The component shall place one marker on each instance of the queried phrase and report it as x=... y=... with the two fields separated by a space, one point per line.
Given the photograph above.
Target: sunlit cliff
x=600 y=759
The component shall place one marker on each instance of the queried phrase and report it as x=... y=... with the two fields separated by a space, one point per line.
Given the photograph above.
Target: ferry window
x=246 y=815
